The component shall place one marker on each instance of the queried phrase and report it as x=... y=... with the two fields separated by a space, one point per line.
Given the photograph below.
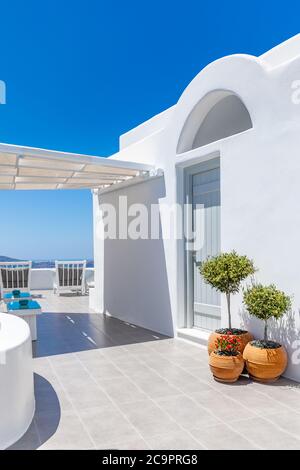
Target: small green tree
x=225 y=272
x=265 y=302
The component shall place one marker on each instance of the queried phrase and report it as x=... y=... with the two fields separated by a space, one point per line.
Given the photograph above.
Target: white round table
x=17 y=402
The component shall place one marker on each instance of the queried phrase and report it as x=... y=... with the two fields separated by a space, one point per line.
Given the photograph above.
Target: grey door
x=206 y=191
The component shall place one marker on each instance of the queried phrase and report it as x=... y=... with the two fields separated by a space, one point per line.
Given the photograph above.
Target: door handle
x=194 y=254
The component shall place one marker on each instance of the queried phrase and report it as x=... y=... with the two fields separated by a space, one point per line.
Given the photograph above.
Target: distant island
x=6 y=258
x=43 y=263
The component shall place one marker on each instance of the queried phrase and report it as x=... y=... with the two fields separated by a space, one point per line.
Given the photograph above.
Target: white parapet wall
x=43 y=278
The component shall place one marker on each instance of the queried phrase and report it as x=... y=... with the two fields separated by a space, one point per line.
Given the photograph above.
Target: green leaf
x=265 y=302
x=226 y=271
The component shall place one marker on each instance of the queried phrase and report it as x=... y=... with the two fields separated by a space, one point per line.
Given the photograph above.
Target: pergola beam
x=34 y=168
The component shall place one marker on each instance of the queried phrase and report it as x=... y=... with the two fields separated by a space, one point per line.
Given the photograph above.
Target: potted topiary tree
x=225 y=272
x=226 y=362
x=265 y=360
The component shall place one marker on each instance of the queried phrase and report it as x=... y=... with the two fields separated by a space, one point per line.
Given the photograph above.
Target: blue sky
x=80 y=73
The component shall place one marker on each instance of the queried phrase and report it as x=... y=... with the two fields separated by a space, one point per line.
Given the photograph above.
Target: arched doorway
x=219 y=115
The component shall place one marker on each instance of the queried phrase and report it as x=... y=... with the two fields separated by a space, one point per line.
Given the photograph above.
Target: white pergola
x=34 y=168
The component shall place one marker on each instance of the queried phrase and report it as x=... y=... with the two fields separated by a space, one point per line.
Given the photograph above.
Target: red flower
x=228 y=343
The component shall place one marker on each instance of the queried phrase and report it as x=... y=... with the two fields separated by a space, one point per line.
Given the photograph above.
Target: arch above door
x=219 y=114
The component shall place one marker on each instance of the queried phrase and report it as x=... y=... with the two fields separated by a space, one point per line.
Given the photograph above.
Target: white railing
x=15 y=275
x=70 y=276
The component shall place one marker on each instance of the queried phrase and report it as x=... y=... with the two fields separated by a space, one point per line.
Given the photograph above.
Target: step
x=195 y=335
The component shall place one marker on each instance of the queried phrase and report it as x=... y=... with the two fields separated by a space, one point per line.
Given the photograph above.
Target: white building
x=232 y=143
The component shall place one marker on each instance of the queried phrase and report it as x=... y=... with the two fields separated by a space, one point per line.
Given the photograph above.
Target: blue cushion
x=22 y=295
x=32 y=304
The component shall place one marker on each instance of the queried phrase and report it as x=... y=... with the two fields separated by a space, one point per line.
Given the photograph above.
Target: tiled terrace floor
x=104 y=384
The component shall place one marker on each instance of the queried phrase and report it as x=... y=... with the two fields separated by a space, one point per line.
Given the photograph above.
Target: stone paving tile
x=122 y=390
x=186 y=412
x=287 y=421
x=264 y=434
x=223 y=407
x=135 y=368
x=221 y=437
x=156 y=387
x=126 y=444
x=108 y=425
x=255 y=401
x=148 y=418
x=286 y=397
x=88 y=397
x=103 y=370
x=175 y=441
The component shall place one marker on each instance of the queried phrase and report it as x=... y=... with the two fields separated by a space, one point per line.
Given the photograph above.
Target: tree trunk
x=228 y=309
x=266 y=331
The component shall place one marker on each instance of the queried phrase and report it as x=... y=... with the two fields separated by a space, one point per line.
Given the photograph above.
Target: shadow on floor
x=42 y=428
x=61 y=333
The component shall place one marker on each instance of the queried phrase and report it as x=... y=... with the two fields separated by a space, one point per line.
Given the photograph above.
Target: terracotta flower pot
x=226 y=368
x=244 y=337
x=265 y=365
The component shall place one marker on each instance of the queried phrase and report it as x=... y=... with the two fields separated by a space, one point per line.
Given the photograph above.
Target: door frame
x=185 y=266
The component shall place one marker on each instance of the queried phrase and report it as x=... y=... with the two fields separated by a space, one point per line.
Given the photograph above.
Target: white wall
x=135 y=279
x=283 y=52
x=261 y=219
x=146 y=129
